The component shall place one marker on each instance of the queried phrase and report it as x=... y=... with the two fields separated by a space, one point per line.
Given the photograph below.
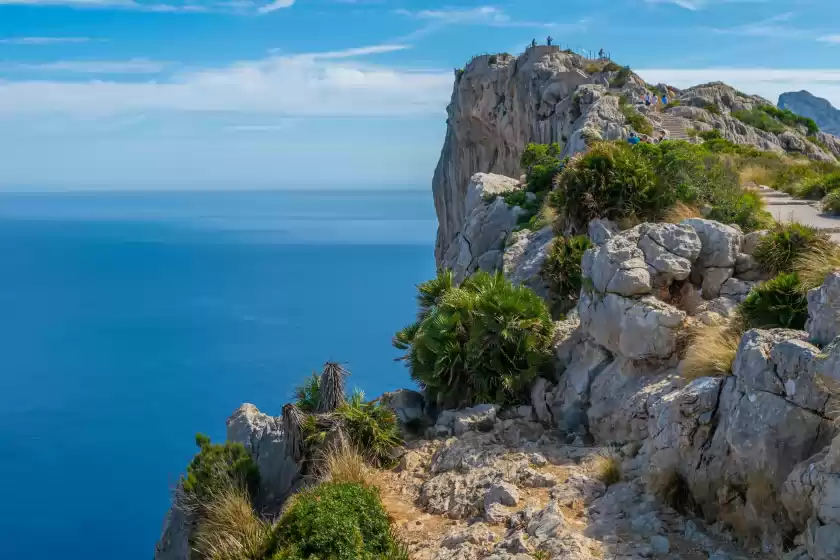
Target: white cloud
x=695 y=5
x=776 y=26
x=311 y=84
x=133 y=66
x=766 y=82
x=247 y=6
x=45 y=40
x=831 y=39
x=482 y=15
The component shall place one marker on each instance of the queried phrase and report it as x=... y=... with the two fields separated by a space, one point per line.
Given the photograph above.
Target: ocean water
x=129 y=322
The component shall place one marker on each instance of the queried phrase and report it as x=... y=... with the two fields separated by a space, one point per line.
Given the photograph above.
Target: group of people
x=658 y=137
x=653 y=100
x=548 y=41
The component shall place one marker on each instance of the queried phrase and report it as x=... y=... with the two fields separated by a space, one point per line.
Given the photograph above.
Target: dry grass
x=816 y=263
x=679 y=212
x=343 y=463
x=756 y=175
x=230 y=529
x=711 y=350
x=606 y=466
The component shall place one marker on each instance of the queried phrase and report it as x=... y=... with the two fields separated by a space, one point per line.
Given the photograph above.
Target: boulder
x=713 y=281
x=720 y=243
x=571 y=399
x=617 y=267
x=824 y=310
x=736 y=289
x=263 y=437
x=408 y=406
x=178 y=526
x=480 y=418
x=750 y=241
x=524 y=257
x=601 y=230
x=747 y=268
x=503 y=493
x=633 y=328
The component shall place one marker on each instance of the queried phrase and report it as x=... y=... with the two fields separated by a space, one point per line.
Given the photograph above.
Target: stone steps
x=786 y=209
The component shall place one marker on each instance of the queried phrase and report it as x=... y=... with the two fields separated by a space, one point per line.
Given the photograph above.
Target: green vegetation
x=561 y=270
x=371 y=428
x=711 y=350
x=712 y=108
x=672 y=104
x=777 y=303
x=619 y=182
x=483 y=341
x=831 y=203
x=613 y=67
x=620 y=79
x=637 y=121
x=218 y=466
x=308 y=393
x=819 y=184
x=337 y=522
x=772 y=119
x=817 y=142
x=778 y=250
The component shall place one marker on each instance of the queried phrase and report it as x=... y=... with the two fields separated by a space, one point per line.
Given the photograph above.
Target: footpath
x=787 y=209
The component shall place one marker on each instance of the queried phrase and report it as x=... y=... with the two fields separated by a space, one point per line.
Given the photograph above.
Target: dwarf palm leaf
x=293 y=421
x=777 y=303
x=331 y=387
x=308 y=394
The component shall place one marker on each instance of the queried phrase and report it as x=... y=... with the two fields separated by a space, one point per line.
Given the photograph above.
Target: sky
x=251 y=94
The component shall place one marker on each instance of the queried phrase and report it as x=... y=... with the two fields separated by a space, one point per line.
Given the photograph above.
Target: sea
x=130 y=321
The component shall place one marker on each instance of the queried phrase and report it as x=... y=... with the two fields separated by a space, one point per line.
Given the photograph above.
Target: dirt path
x=786 y=209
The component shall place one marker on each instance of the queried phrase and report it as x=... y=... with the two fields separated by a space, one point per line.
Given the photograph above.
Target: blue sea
x=131 y=321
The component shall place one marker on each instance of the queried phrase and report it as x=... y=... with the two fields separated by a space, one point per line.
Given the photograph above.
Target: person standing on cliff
x=533 y=43
x=549 y=39
x=601 y=53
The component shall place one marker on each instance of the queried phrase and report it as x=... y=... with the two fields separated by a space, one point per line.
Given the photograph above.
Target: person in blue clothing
x=664 y=99
x=633 y=139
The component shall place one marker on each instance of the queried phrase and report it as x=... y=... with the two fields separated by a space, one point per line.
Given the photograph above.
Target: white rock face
x=824 y=310
x=524 y=257
x=721 y=243
x=263 y=437
x=479 y=244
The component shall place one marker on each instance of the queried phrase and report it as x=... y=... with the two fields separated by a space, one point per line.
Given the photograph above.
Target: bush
x=620 y=79
x=777 y=303
x=612 y=67
x=790 y=118
x=818 y=185
x=606 y=467
x=637 y=121
x=216 y=467
x=484 y=341
x=674 y=103
x=336 y=521
x=308 y=394
x=759 y=119
x=713 y=134
x=831 y=203
x=371 y=428
x=712 y=108
x=745 y=209
x=561 y=269
x=777 y=251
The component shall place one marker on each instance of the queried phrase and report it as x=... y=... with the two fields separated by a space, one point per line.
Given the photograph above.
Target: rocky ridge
x=808 y=105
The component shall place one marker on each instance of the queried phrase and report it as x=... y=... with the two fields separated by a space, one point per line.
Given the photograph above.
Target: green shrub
x=620 y=79
x=777 y=303
x=337 y=522
x=216 y=466
x=831 y=203
x=818 y=185
x=371 y=428
x=759 y=119
x=674 y=103
x=790 y=118
x=612 y=67
x=745 y=209
x=308 y=394
x=484 y=341
x=637 y=121
x=712 y=108
x=778 y=250
x=713 y=134
x=561 y=269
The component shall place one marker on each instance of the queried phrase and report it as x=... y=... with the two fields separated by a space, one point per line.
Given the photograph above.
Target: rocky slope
x=501 y=103
x=808 y=105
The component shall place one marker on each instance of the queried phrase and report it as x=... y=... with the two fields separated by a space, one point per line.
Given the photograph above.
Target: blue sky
x=334 y=93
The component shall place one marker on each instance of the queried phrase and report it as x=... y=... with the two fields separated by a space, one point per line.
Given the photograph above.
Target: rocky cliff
x=500 y=103
x=809 y=105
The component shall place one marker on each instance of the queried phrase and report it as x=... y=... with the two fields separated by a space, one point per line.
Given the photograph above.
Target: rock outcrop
x=808 y=105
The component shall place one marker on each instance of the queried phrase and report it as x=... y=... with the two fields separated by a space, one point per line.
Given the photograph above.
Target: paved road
x=788 y=209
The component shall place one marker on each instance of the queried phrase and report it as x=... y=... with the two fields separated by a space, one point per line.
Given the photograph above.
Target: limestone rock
x=524 y=257
x=601 y=230
x=751 y=240
x=477 y=533
x=633 y=328
x=263 y=437
x=617 y=267
x=409 y=406
x=481 y=417
x=824 y=310
x=502 y=493
x=721 y=243
x=174 y=542
x=713 y=281
x=736 y=289
x=747 y=268
x=571 y=398
x=484 y=227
